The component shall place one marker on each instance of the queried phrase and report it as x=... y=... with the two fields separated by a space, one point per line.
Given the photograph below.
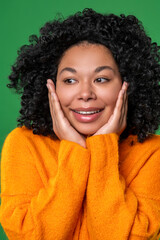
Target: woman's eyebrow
x=98 y=69
x=101 y=68
x=69 y=69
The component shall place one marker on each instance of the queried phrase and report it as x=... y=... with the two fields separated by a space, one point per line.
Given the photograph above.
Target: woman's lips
x=87 y=115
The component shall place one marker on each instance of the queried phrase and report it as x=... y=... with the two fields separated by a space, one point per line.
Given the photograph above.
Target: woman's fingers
x=61 y=125
x=57 y=111
x=58 y=118
x=123 y=114
x=120 y=104
x=54 y=102
x=117 y=121
x=126 y=107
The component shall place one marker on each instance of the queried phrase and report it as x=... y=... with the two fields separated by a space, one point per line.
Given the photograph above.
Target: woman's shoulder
x=150 y=146
x=22 y=136
x=136 y=157
x=132 y=147
x=152 y=142
x=25 y=133
x=20 y=132
x=154 y=139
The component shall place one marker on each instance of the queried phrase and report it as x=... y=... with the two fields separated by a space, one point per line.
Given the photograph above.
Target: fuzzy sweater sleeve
x=31 y=209
x=117 y=208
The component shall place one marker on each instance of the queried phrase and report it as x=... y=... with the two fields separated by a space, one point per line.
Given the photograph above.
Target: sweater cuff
x=104 y=150
x=100 y=141
x=73 y=156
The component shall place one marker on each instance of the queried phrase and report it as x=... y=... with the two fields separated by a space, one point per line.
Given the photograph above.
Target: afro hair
x=135 y=54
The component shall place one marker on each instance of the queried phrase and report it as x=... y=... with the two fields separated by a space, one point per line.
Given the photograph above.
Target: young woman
x=84 y=161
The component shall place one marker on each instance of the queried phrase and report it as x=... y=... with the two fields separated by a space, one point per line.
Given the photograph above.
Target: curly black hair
x=135 y=54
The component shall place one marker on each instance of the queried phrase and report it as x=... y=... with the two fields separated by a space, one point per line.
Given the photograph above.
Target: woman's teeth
x=87 y=113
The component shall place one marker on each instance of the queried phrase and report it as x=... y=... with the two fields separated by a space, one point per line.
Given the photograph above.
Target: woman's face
x=88 y=83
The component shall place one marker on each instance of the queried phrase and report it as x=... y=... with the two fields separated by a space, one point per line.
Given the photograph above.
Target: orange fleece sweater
x=58 y=190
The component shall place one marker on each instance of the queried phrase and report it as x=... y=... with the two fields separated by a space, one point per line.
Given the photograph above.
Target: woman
x=84 y=161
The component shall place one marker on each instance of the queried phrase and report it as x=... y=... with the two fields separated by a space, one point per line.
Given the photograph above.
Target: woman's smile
x=87 y=115
x=88 y=84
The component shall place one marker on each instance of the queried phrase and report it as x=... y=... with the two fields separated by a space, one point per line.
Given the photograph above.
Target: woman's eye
x=69 y=81
x=102 y=80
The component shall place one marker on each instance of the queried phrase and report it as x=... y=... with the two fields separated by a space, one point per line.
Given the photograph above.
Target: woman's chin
x=87 y=129
x=87 y=133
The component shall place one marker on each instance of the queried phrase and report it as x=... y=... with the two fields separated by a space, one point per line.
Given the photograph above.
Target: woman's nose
x=86 y=92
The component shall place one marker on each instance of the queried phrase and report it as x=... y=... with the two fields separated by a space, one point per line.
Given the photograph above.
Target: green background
x=21 y=18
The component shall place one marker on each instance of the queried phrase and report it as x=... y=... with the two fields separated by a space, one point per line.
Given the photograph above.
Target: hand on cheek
x=117 y=121
x=61 y=125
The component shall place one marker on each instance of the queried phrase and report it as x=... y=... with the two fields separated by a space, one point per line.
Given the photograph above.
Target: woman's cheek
x=110 y=97
x=64 y=98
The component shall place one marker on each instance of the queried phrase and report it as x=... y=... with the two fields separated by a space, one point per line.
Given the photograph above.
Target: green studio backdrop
x=21 y=18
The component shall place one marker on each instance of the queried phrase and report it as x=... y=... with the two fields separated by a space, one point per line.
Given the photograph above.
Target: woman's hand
x=118 y=120
x=61 y=125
